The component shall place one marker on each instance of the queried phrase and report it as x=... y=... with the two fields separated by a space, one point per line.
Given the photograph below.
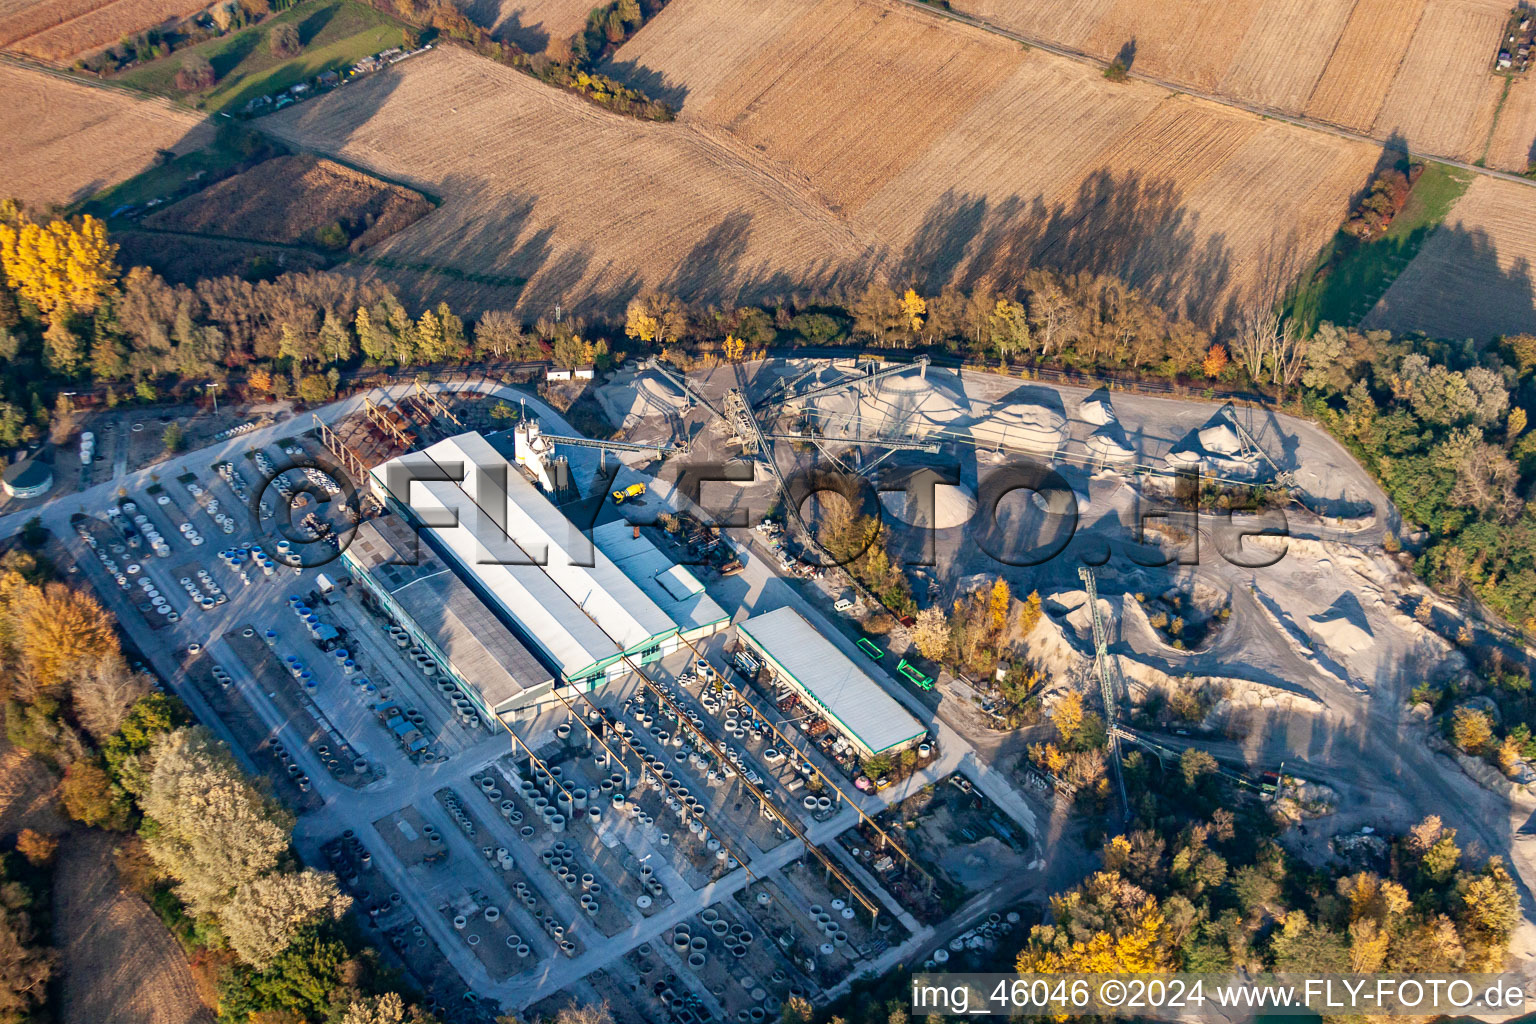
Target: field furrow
x=1365 y=63
x=1284 y=52
x=1443 y=98
x=1513 y=146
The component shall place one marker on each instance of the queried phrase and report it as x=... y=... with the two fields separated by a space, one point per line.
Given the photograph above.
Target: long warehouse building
x=565 y=598
x=443 y=617
x=852 y=701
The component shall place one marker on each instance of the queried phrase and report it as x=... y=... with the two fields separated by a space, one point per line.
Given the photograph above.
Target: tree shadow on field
x=653 y=83
x=528 y=38
x=229 y=58
x=1462 y=292
x=313 y=25
x=1129 y=226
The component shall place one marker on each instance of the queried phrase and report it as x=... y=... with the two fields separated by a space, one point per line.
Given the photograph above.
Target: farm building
x=444 y=617
x=565 y=598
x=852 y=701
x=674 y=587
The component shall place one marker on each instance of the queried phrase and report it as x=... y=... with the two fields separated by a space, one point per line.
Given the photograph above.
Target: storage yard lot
x=502 y=864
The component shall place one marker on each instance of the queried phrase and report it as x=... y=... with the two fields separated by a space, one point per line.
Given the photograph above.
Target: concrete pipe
x=719 y=928
x=587 y=880
x=522 y=949
x=579 y=796
x=487 y=783
x=506 y=807
x=492 y=914
x=825 y=949
x=764 y=899
x=838 y=904
x=738 y=951
x=665 y=839
x=698 y=943
x=459 y=921
x=697 y=960
x=680 y=942
x=847 y=913
x=557 y=823
x=592 y=908
x=526 y=831
x=643 y=901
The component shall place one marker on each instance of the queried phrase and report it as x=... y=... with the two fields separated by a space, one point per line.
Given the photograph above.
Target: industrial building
x=28 y=478
x=850 y=699
x=674 y=588
x=566 y=598
x=444 y=618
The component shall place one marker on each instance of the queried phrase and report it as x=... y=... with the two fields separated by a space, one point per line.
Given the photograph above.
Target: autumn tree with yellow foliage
x=1201 y=883
x=61 y=267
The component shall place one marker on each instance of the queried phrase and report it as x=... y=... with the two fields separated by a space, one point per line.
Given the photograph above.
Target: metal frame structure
x=1111 y=683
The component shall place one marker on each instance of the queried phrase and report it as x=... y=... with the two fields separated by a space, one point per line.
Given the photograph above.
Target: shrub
x=37 y=847
x=196 y=74
x=284 y=41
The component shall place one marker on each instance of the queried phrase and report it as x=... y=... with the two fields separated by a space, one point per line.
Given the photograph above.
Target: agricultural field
x=529 y=24
x=293 y=199
x=118 y=961
x=57 y=31
x=65 y=140
x=790 y=170
x=1016 y=156
x=335 y=34
x=547 y=199
x=1417 y=70
x=1472 y=277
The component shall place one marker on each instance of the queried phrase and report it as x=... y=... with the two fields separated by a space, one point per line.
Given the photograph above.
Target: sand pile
x=953 y=505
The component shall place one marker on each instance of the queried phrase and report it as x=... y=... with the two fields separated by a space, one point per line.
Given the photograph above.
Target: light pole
x=213 y=389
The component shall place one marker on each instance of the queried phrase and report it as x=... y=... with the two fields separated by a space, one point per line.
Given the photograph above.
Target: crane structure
x=1111 y=683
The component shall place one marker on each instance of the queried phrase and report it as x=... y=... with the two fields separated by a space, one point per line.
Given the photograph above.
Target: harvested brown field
x=1047 y=161
x=1434 y=104
x=1473 y=278
x=1513 y=145
x=1417 y=70
x=1307 y=29
x=530 y=24
x=1190 y=42
x=834 y=95
x=59 y=31
x=183 y=259
x=585 y=206
x=1364 y=62
x=118 y=961
x=65 y=141
x=289 y=198
x=838 y=139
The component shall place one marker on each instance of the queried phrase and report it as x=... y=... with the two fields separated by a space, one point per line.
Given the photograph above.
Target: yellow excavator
x=629 y=493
